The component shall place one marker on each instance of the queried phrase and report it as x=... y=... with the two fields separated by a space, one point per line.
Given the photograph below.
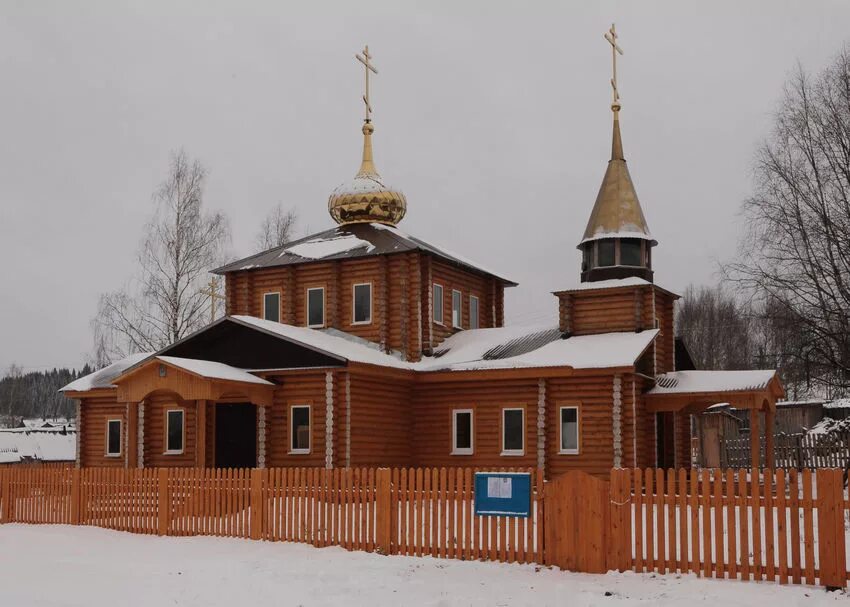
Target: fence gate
x=576 y=522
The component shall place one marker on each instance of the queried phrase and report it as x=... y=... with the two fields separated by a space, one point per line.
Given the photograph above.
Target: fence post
x=75 y=496
x=383 y=535
x=164 y=502
x=256 y=503
x=830 y=508
x=5 y=496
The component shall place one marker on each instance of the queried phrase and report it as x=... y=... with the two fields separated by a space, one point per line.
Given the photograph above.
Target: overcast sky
x=492 y=117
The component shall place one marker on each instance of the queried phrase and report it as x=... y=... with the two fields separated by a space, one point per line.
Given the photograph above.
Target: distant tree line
x=36 y=394
x=784 y=302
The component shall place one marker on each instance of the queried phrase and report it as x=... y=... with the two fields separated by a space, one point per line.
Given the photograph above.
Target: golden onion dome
x=367 y=198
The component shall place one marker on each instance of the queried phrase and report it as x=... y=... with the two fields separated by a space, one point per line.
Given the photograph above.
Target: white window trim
x=442 y=301
x=561 y=450
x=465 y=450
x=324 y=310
x=308 y=450
x=354 y=321
x=459 y=324
x=279 y=298
x=478 y=312
x=513 y=452
x=120 y=438
x=182 y=428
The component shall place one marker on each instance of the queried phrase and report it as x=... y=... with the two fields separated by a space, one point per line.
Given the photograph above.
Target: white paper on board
x=499 y=487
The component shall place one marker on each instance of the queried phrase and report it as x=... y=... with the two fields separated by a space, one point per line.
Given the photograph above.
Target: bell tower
x=617 y=242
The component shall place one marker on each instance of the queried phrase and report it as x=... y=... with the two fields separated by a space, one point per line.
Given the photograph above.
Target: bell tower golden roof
x=367 y=198
x=617 y=212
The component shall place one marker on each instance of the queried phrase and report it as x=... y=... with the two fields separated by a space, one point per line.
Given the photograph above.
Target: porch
x=692 y=392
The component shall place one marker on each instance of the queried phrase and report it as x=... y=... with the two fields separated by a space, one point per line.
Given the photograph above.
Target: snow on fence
x=799 y=451
x=787 y=527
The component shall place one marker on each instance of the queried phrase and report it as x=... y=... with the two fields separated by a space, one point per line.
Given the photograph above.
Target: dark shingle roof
x=343 y=242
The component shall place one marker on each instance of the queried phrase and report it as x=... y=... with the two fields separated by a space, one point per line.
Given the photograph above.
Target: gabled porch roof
x=695 y=391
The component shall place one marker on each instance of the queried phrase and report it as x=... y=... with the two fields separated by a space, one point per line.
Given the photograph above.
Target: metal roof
x=377 y=239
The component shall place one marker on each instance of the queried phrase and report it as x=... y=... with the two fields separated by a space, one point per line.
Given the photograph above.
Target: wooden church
x=366 y=346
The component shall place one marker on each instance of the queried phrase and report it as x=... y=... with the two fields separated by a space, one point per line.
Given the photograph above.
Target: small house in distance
x=363 y=345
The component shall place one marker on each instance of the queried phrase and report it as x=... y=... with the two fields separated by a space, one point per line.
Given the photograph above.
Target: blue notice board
x=503 y=493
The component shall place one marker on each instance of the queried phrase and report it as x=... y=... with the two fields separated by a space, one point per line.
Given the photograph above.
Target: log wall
x=432 y=421
x=380 y=420
x=156 y=406
x=92 y=432
x=401 y=285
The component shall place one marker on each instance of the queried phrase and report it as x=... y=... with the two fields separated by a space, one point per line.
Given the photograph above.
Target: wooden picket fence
x=785 y=527
x=799 y=451
x=421 y=511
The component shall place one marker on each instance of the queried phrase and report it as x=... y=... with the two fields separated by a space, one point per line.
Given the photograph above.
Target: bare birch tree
x=277 y=229
x=795 y=256
x=717 y=328
x=164 y=303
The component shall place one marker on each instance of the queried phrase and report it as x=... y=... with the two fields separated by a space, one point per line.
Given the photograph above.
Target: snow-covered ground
x=60 y=565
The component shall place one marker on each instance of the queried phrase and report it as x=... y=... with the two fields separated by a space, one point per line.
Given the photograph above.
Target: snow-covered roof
x=351 y=241
x=606 y=350
x=612 y=283
x=320 y=248
x=18 y=444
x=103 y=377
x=679 y=382
x=840 y=403
x=213 y=370
x=499 y=348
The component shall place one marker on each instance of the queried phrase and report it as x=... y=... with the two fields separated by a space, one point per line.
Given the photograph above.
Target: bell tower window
x=605 y=253
x=630 y=252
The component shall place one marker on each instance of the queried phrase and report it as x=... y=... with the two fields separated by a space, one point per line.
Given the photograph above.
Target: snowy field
x=60 y=565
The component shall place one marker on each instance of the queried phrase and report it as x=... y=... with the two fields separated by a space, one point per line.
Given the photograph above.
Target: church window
x=630 y=252
x=438 y=303
x=605 y=253
x=474 y=321
x=569 y=430
x=457 y=309
x=462 y=432
x=113 y=437
x=316 y=307
x=362 y=303
x=271 y=306
x=513 y=431
x=174 y=432
x=299 y=429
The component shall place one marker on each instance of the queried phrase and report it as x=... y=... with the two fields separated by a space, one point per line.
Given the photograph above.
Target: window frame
x=354 y=320
x=512 y=452
x=290 y=449
x=561 y=450
x=463 y=450
x=182 y=449
x=459 y=310
x=279 y=299
x=434 y=300
x=631 y=241
x=307 y=308
x=476 y=324
x=109 y=422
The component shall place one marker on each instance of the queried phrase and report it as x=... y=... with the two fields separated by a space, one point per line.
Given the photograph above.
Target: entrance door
x=235 y=435
x=665 y=447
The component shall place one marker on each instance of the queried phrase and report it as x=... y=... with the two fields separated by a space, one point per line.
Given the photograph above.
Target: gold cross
x=365 y=60
x=611 y=37
x=212 y=292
